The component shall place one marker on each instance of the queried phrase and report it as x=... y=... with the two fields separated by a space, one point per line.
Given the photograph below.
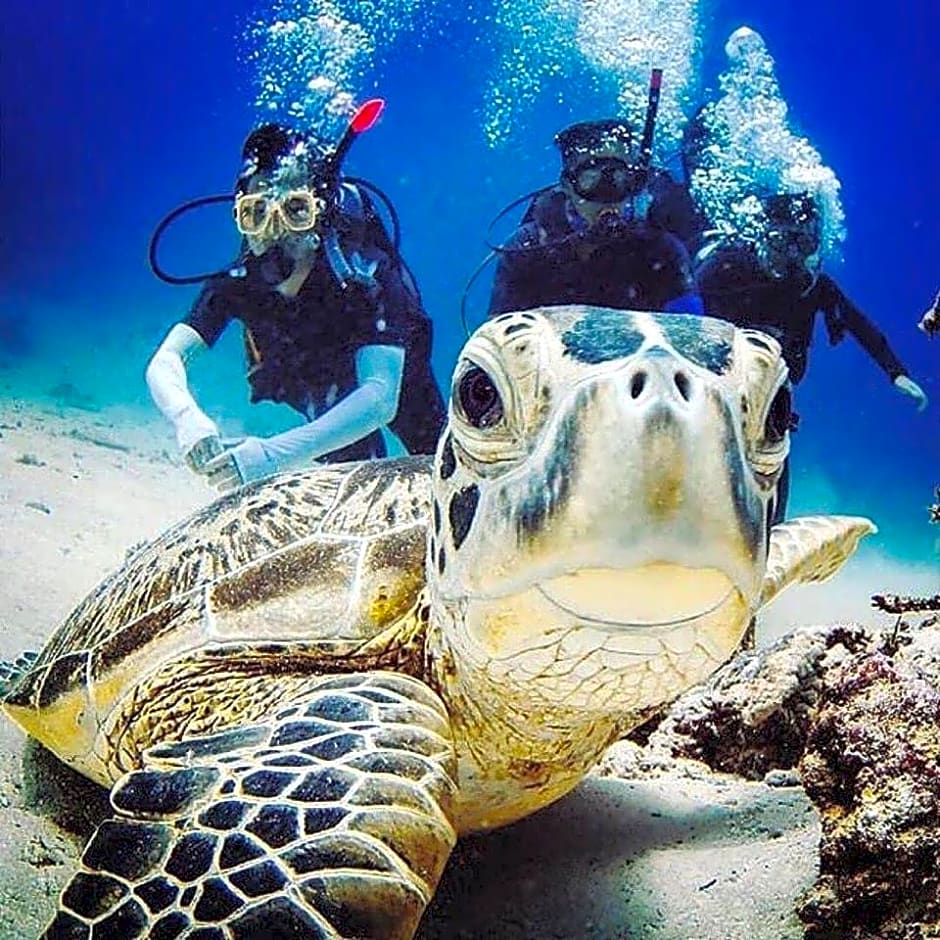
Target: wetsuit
x=735 y=287
x=551 y=259
x=301 y=350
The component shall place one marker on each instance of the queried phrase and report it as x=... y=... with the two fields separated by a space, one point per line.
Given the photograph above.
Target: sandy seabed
x=684 y=855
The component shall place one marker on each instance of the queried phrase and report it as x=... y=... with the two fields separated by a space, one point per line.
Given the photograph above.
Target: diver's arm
x=871 y=339
x=371 y=406
x=166 y=379
x=874 y=342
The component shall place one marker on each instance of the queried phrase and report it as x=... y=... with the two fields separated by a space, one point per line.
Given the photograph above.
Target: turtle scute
x=344 y=792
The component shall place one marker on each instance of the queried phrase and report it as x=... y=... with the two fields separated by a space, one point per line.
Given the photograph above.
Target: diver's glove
x=245 y=462
x=197 y=437
x=199 y=455
x=907 y=386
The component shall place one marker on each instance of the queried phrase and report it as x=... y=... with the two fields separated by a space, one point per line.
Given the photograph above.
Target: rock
x=872 y=767
x=853 y=714
x=782 y=778
x=752 y=717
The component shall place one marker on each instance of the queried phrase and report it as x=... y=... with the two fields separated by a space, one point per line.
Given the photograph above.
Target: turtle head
x=602 y=499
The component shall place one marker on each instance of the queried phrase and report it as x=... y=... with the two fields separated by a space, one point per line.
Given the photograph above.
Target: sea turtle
x=302 y=694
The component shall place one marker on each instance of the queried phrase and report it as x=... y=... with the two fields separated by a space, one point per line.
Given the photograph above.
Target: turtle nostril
x=637 y=384
x=683 y=385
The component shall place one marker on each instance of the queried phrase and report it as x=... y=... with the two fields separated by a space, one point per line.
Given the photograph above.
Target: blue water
x=115 y=114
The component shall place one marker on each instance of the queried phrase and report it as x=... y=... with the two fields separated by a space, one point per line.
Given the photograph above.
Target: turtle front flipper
x=810 y=548
x=12 y=672
x=329 y=819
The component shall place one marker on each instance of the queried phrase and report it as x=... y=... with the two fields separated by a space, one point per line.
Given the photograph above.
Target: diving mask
x=787 y=251
x=792 y=235
x=606 y=179
x=258 y=214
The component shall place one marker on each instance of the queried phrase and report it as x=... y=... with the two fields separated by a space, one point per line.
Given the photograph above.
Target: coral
x=927 y=607
x=930 y=321
x=872 y=767
x=904 y=604
x=857 y=712
x=753 y=716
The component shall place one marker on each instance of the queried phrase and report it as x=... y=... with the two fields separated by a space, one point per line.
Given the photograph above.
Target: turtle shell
x=317 y=562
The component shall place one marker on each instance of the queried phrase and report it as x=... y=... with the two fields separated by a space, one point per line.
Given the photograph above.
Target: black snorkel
x=162 y=226
x=346 y=272
x=275 y=262
x=649 y=125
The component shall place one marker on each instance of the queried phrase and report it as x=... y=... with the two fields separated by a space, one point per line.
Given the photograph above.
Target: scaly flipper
x=11 y=673
x=810 y=548
x=330 y=819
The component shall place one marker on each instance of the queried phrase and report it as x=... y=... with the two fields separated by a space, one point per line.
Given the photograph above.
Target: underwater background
x=114 y=113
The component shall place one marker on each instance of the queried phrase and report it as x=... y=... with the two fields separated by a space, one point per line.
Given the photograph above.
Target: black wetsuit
x=735 y=287
x=633 y=266
x=301 y=350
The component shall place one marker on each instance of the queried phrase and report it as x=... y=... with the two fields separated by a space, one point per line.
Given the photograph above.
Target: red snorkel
x=365 y=117
x=347 y=271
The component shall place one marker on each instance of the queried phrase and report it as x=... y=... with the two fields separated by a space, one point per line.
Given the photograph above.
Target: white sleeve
x=166 y=379
x=373 y=404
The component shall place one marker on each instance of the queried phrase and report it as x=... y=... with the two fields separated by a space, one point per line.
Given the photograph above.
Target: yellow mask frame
x=262 y=214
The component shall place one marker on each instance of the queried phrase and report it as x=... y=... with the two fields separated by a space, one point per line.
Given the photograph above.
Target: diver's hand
x=930 y=321
x=247 y=461
x=907 y=386
x=195 y=434
x=202 y=452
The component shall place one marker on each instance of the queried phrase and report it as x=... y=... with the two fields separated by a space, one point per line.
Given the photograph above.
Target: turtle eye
x=779 y=416
x=478 y=400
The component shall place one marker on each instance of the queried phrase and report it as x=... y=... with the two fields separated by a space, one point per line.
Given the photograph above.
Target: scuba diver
x=768 y=210
x=775 y=283
x=333 y=321
x=609 y=233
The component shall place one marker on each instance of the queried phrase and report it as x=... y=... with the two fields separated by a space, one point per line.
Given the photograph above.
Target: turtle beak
x=648 y=597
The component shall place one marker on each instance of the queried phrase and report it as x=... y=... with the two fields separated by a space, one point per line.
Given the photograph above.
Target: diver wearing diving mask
x=775 y=283
x=333 y=322
x=792 y=238
x=281 y=226
x=596 y=236
x=603 y=185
